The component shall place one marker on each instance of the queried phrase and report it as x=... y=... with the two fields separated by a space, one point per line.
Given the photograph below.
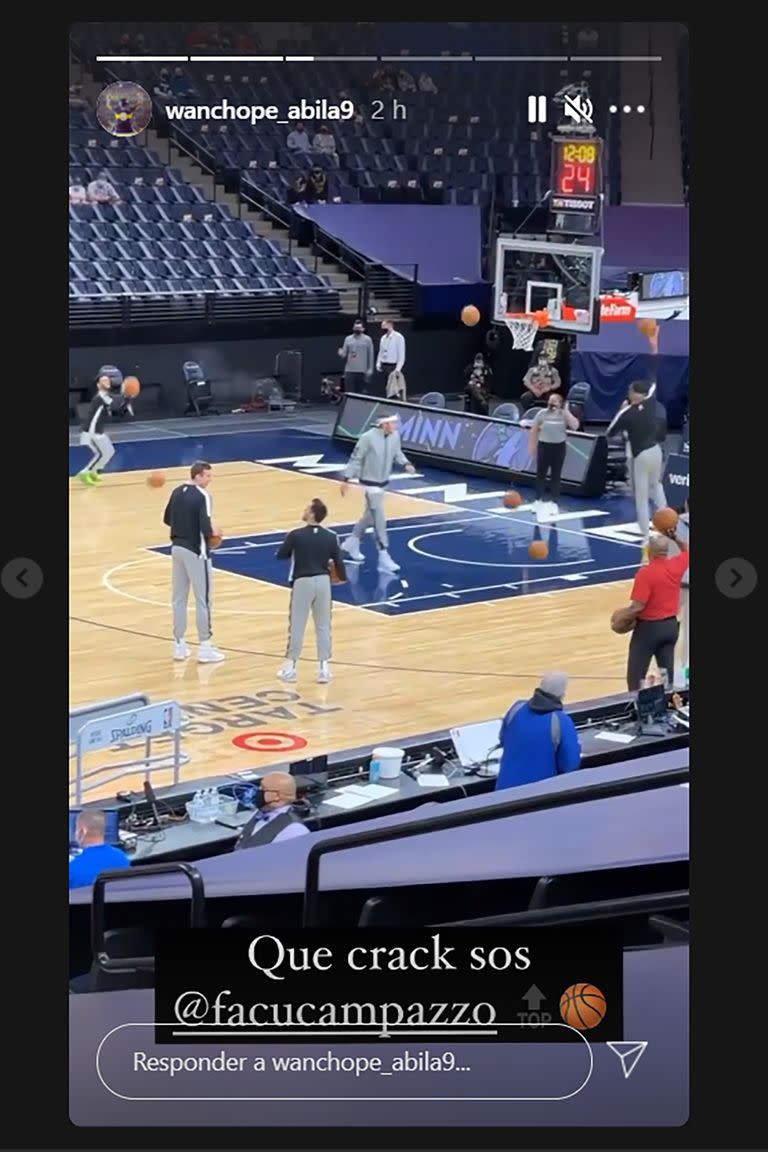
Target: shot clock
x=576 y=184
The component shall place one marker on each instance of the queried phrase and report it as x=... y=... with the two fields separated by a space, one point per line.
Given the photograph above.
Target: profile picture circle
x=582 y=1006
x=124 y=109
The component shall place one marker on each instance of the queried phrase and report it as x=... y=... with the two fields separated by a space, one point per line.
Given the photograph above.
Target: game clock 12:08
x=576 y=168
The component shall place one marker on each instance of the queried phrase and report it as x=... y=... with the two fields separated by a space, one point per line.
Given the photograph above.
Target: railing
x=482 y=815
x=200 y=307
x=394 y=284
x=98 y=916
x=590 y=911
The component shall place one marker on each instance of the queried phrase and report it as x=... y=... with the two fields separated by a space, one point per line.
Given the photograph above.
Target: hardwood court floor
x=393 y=676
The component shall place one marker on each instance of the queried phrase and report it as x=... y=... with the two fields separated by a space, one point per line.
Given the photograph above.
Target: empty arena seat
x=507 y=411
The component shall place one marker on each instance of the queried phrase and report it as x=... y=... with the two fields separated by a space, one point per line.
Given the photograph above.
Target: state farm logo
x=613 y=308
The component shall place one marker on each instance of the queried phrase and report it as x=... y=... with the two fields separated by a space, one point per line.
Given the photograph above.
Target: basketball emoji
x=582 y=1006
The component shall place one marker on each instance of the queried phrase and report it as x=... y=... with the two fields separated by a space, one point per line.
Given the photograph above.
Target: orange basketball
x=335 y=578
x=216 y=541
x=621 y=623
x=538 y=550
x=648 y=326
x=131 y=387
x=582 y=1006
x=155 y=479
x=470 y=315
x=512 y=500
x=665 y=519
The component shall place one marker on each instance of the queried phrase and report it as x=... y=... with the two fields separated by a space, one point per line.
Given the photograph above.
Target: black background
x=210 y=960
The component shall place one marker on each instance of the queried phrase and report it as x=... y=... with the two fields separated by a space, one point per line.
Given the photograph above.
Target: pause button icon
x=537 y=109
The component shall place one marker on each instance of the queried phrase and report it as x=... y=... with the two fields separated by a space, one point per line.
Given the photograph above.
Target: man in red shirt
x=655 y=606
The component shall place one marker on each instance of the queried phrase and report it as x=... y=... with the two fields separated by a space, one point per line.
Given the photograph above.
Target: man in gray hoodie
x=357 y=354
x=371 y=463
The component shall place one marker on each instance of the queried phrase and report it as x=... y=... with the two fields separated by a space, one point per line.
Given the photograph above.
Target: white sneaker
x=552 y=510
x=352 y=548
x=181 y=650
x=207 y=654
x=386 y=563
x=324 y=675
x=287 y=674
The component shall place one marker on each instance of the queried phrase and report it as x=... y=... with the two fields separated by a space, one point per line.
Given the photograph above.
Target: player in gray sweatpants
x=646 y=485
x=310 y=594
x=376 y=453
x=195 y=572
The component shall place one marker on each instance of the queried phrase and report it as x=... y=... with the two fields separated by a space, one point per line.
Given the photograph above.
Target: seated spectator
x=477 y=395
x=317 y=187
x=76 y=98
x=384 y=80
x=95 y=856
x=299 y=194
x=325 y=143
x=405 y=82
x=100 y=191
x=426 y=83
x=298 y=139
x=181 y=86
x=538 y=739
x=162 y=90
x=277 y=818
x=77 y=194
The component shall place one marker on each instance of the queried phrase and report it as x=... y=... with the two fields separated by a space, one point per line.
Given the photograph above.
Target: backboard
x=564 y=279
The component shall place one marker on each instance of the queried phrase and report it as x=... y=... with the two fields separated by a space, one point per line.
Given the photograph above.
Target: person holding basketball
x=102 y=408
x=313 y=551
x=548 y=443
x=655 y=607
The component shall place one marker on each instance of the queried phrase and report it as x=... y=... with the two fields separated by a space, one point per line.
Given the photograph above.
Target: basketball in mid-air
x=538 y=550
x=470 y=315
x=665 y=519
x=155 y=480
x=131 y=387
x=512 y=500
x=582 y=1006
x=648 y=326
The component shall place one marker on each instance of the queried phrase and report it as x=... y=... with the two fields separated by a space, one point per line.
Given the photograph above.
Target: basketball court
x=466 y=627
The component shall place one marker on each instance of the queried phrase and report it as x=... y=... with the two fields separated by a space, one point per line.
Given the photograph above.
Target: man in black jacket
x=188 y=515
x=314 y=553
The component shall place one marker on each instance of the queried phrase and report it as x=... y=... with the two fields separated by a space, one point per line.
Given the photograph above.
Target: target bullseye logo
x=269 y=742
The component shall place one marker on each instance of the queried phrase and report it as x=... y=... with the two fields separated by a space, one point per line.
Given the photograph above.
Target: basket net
x=523 y=329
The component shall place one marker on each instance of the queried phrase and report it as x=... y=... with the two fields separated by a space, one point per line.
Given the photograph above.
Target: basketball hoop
x=524 y=326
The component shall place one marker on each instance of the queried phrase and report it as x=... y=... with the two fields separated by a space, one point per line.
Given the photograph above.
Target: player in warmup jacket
x=188 y=515
x=371 y=463
x=101 y=410
x=311 y=550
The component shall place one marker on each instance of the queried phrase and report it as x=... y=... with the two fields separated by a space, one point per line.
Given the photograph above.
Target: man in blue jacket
x=539 y=740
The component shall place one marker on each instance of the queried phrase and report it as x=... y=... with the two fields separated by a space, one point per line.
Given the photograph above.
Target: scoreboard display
x=576 y=184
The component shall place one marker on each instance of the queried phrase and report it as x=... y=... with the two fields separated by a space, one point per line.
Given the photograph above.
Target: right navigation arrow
x=629 y=1052
x=737 y=577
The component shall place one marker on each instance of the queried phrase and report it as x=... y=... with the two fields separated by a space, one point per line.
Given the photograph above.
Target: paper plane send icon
x=629 y=1052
